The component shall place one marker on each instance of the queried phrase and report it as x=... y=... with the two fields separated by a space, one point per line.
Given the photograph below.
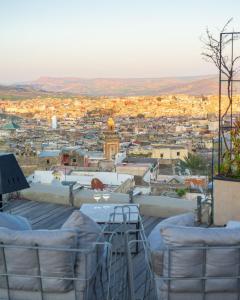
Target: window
x=161 y=155
x=48 y=161
x=74 y=160
x=178 y=153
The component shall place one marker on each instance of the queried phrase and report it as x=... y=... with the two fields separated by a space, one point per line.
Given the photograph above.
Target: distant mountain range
x=44 y=86
x=23 y=91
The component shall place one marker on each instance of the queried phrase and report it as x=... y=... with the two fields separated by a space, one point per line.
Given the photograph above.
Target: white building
x=112 y=181
x=54 y=122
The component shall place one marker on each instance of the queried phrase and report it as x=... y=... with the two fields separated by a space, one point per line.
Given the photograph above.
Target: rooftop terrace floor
x=51 y=216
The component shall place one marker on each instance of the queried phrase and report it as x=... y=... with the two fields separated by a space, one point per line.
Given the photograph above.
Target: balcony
x=43 y=215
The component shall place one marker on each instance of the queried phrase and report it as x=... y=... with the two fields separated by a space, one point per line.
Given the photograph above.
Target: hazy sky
x=107 y=38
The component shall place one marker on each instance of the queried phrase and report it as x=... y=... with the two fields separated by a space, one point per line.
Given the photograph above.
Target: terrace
x=134 y=275
x=64 y=254
x=51 y=216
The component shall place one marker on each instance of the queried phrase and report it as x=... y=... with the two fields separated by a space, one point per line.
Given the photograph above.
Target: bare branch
x=213 y=51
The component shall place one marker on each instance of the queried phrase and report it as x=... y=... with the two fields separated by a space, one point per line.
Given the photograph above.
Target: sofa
x=190 y=262
x=51 y=264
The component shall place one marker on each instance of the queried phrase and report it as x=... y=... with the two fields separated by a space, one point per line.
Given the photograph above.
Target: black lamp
x=12 y=178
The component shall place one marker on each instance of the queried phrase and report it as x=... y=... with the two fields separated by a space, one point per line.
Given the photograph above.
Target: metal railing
x=123 y=225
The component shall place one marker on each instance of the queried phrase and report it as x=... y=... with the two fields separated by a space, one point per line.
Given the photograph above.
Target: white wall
x=106 y=177
x=41 y=177
x=83 y=178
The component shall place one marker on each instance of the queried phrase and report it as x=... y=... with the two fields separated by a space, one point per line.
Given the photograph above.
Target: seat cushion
x=14 y=222
x=187 y=261
x=25 y=261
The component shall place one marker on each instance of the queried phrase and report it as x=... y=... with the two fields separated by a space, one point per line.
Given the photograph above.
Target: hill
x=72 y=86
x=207 y=85
x=15 y=92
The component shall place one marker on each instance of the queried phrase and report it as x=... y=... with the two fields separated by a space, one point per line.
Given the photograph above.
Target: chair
x=55 y=264
x=197 y=263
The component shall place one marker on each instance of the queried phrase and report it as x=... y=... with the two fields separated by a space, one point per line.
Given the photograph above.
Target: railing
x=141 y=276
x=123 y=225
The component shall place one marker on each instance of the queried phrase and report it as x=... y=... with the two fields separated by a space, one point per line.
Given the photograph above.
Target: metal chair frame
x=152 y=278
x=94 y=278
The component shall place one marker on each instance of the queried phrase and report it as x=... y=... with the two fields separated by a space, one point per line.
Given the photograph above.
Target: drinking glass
x=106 y=197
x=97 y=197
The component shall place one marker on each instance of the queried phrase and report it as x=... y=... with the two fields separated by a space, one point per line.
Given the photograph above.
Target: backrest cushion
x=156 y=242
x=186 y=219
x=23 y=261
x=14 y=222
x=213 y=262
x=155 y=239
x=89 y=233
x=88 y=230
x=181 y=236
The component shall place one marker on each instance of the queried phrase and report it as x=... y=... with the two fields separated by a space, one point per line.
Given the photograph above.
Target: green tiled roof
x=11 y=126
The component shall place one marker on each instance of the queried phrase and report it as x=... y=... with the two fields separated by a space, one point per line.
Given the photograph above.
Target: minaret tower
x=112 y=141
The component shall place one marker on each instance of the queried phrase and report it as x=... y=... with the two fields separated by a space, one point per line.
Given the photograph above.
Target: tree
x=227 y=65
x=195 y=163
x=181 y=192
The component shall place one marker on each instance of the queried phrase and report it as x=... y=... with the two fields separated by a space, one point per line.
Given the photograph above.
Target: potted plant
x=226 y=184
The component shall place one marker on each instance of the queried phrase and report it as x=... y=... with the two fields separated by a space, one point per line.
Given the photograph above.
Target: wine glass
x=97 y=197
x=106 y=197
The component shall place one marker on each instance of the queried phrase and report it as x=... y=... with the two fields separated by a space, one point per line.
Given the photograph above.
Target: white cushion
x=14 y=222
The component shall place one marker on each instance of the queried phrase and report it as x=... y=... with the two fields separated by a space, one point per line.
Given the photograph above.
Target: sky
x=107 y=38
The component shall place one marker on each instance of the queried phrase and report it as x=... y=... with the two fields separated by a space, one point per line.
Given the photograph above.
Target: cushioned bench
x=194 y=262
x=61 y=264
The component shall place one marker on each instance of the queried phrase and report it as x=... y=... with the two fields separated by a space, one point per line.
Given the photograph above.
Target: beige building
x=170 y=152
x=132 y=169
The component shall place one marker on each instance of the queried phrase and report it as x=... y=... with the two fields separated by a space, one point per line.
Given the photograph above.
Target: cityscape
x=119 y=150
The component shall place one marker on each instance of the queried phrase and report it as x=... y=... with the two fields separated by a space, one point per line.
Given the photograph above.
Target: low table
x=114 y=214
